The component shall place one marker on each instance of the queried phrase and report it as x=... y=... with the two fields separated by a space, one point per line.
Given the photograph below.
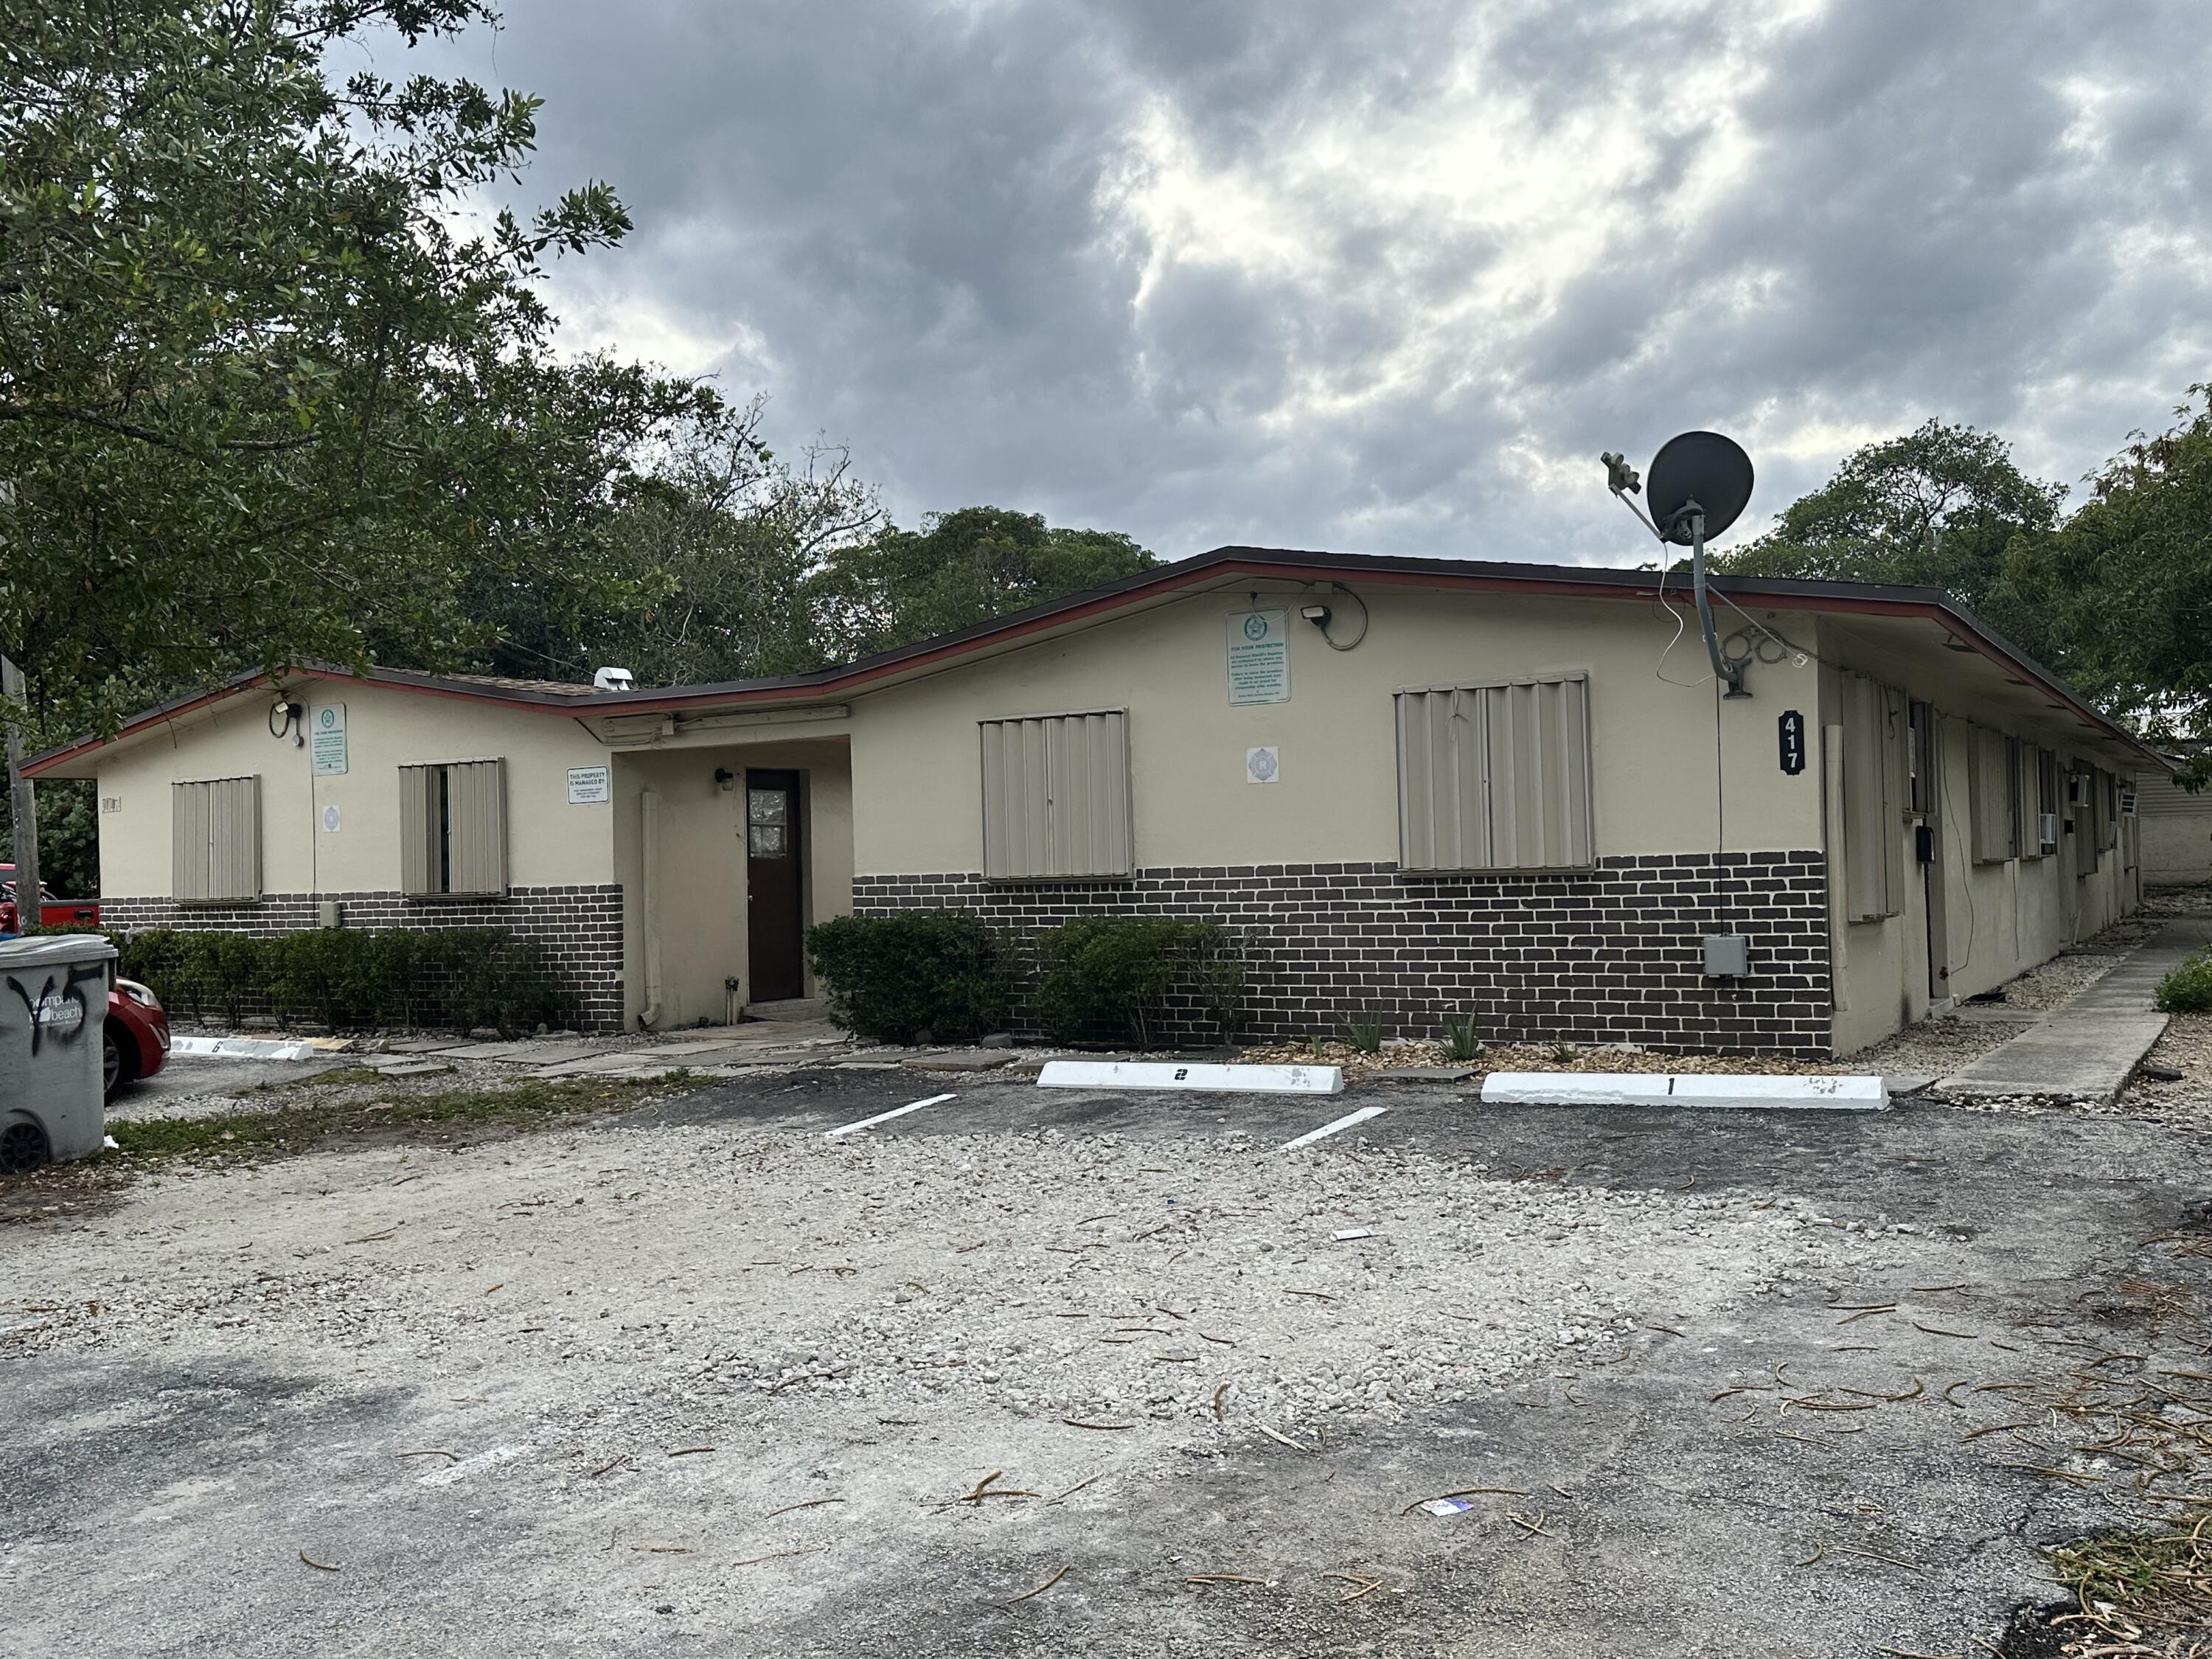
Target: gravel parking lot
x=700 y=1377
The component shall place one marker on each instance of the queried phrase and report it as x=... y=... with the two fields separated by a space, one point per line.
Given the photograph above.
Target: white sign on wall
x=1263 y=765
x=587 y=785
x=1258 y=657
x=327 y=738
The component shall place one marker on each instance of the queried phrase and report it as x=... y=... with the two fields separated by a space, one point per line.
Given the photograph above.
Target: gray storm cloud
x=1385 y=277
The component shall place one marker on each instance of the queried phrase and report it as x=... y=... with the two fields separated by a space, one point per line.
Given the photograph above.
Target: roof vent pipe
x=614 y=679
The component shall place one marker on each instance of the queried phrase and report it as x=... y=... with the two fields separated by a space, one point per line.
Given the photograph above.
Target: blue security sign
x=1791 y=729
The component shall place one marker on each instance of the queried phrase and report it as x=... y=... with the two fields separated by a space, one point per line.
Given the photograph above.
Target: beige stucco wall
x=549 y=842
x=915 y=749
x=699 y=891
x=2000 y=919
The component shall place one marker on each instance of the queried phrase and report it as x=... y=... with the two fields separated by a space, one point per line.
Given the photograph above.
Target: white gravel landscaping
x=1028 y=1275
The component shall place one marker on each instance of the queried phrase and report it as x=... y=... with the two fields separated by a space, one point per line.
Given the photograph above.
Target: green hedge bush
x=456 y=977
x=914 y=975
x=1108 y=979
x=2188 y=989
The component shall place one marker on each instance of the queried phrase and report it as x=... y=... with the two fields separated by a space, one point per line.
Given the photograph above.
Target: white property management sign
x=326 y=739
x=1258 y=657
x=587 y=785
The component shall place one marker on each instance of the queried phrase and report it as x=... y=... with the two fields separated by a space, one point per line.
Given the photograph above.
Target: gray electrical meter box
x=1728 y=956
x=54 y=1005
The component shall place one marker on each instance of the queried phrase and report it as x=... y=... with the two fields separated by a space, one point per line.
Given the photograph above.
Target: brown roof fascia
x=1295 y=565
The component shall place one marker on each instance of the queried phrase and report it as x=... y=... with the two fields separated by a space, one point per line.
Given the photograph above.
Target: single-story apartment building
x=1419 y=788
x=2177 y=833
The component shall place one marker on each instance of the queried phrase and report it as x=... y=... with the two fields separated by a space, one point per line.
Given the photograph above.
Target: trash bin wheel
x=22 y=1148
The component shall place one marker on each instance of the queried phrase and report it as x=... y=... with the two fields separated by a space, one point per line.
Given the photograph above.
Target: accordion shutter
x=215 y=840
x=1867 y=768
x=2086 y=832
x=1990 y=785
x=475 y=825
x=1495 y=777
x=453 y=827
x=1056 y=797
x=1896 y=793
x=419 y=831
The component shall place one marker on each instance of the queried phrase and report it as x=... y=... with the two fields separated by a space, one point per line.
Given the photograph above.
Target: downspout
x=1832 y=778
x=648 y=839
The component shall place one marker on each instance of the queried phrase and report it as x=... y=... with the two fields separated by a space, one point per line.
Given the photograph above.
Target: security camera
x=1318 y=615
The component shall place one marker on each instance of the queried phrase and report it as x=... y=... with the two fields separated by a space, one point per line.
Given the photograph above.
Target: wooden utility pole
x=24 y=801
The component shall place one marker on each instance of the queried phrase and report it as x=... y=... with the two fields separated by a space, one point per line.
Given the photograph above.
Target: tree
x=69 y=839
x=741 y=542
x=958 y=570
x=262 y=398
x=2127 y=583
x=1935 y=508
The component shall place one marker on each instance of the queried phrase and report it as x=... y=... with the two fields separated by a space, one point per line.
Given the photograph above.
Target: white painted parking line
x=1327 y=1129
x=884 y=1117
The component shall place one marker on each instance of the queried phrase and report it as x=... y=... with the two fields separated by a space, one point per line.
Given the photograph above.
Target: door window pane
x=767 y=841
x=766 y=805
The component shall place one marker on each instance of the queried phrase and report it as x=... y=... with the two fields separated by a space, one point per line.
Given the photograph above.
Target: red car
x=52 y=912
x=137 y=1035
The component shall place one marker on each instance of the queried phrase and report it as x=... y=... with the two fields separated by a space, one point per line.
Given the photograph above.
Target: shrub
x=2187 y=989
x=446 y=976
x=913 y=976
x=1109 y=978
x=1364 y=1035
x=1220 y=979
x=332 y=974
x=1460 y=1041
x=233 y=967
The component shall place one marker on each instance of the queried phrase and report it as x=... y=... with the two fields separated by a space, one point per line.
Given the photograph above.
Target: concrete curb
x=207 y=1047
x=1725 y=1091
x=1166 y=1074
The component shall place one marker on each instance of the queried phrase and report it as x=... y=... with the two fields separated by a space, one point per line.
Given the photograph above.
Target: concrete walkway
x=2086 y=1048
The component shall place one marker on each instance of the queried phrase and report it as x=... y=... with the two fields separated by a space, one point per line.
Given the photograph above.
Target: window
x=1057 y=798
x=1925 y=787
x=2048 y=804
x=1878 y=764
x=1994 y=786
x=1495 y=777
x=2108 y=822
x=2081 y=796
x=768 y=823
x=453 y=827
x=216 y=828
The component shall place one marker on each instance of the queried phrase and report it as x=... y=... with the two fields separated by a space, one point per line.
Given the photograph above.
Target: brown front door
x=776 y=912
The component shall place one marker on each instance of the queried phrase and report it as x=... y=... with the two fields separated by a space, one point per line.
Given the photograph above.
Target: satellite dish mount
x=1700 y=484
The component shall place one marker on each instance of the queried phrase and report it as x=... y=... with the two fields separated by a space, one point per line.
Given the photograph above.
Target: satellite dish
x=1703 y=467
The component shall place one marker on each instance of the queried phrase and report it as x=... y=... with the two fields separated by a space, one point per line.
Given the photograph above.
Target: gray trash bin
x=53 y=1002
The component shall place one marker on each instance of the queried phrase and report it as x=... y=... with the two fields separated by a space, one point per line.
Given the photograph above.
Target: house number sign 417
x=1790 y=728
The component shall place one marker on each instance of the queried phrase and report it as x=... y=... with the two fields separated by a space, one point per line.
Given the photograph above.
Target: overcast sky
x=1385 y=277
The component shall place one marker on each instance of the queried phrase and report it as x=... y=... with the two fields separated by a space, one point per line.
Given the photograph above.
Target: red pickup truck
x=52 y=912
